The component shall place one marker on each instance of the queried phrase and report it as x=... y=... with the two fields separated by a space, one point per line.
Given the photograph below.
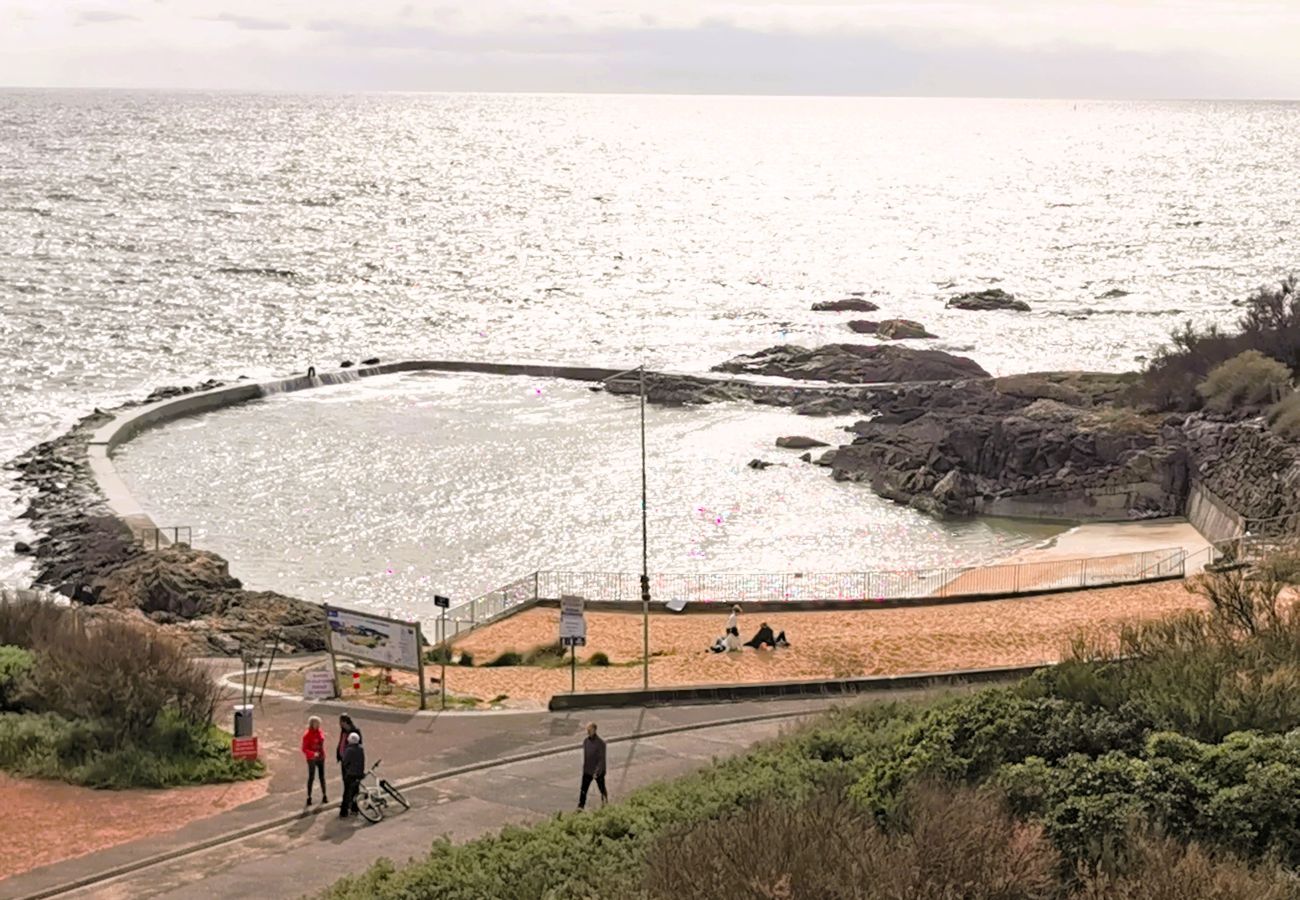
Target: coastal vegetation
x=1161 y=763
x=105 y=703
x=1226 y=370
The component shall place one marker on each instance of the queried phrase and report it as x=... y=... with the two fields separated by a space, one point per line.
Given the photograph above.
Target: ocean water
x=150 y=238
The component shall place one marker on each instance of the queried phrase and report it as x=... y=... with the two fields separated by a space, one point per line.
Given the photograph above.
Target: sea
x=152 y=238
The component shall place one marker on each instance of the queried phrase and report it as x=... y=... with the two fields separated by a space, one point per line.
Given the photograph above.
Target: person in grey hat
x=354 y=769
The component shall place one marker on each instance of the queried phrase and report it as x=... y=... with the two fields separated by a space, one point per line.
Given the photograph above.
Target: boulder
x=346 y=364
x=902 y=330
x=22 y=549
x=982 y=301
x=849 y=304
x=805 y=457
x=864 y=326
x=1113 y=294
x=799 y=442
x=372 y=361
x=855 y=364
x=760 y=464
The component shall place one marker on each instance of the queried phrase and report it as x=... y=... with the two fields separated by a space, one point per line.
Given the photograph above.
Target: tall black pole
x=645 y=555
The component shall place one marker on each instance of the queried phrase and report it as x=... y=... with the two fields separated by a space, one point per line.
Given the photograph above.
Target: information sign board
x=376 y=639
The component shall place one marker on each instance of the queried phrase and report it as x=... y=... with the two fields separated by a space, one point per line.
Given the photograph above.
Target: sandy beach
x=823 y=644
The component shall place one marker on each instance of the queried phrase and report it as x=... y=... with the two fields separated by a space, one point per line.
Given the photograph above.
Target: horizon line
x=642 y=93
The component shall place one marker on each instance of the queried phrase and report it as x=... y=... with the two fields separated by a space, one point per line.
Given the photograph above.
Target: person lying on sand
x=765 y=638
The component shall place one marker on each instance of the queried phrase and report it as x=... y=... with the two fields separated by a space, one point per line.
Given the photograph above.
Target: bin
x=243 y=721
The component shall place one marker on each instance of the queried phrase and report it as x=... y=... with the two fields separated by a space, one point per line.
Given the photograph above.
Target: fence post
x=536 y=588
x=1083 y=572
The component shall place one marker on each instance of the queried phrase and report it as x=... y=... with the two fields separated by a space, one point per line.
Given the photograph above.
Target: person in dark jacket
x=593 y=766
x=354 y=769
x=346 y=727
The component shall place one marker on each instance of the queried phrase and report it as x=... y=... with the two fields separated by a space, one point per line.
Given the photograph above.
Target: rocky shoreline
x=86 y=553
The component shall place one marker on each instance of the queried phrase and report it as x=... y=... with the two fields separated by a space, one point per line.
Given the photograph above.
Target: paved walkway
x=311 y=851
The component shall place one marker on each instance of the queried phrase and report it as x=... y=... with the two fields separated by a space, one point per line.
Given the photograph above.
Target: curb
x=251 y=830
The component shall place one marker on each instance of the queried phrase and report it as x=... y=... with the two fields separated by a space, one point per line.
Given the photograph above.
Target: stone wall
x=1252 y=471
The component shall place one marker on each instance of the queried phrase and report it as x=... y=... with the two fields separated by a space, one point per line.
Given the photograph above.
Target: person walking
x=593 y=766
x=354 y=769
x=313 y=747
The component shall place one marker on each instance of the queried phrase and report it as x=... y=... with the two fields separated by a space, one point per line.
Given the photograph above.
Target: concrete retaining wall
x=1212 y=516
x=721 y=693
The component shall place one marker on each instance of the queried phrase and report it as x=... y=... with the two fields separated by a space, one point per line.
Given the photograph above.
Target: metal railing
x=159 y=536
x=912 y=584
x=793 y=587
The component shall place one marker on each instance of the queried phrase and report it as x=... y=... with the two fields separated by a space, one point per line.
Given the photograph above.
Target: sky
x=1232 y=49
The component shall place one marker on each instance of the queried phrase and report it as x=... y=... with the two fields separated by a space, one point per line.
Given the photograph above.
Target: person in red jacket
x=313 y=747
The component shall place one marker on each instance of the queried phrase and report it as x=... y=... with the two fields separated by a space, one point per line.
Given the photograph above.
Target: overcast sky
x=1000 y=48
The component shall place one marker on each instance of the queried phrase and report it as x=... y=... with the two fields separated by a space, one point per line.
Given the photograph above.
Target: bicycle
x=374 y=796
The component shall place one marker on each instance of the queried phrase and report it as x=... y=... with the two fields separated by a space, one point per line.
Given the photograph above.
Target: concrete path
x=309 y=852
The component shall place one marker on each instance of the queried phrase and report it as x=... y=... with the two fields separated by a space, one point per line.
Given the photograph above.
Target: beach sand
x=1016 y=631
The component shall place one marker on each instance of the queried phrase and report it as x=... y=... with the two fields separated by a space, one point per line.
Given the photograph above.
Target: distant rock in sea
x=799 y=442
x=902 y=330
x=854 y=364
x=983 y=301
x=852 y=304
x=1113 y=294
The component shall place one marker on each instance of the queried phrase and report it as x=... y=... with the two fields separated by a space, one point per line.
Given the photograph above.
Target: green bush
x=1248 y=380
x=172 y=753
x=15 y=666
x=599 y=658
x=546 y=655
x=507 y=658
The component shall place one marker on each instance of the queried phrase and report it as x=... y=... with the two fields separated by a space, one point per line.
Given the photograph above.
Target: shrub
x=508 y=658
x=15 y=666
x=1270 y=324
x=950 y=843
x=438 y=655
x=1284 y=417
x=21 y=620
x=172 y=753
x=1248 y=380
x=466 y=658
x=1163 y=869
x=546 y=654
x=599 y=658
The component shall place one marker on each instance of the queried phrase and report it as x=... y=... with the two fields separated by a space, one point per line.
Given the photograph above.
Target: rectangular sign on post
x=243 y=748
x=576 y=641
x=441 y=602
x=572 y=626
x=318 y=684
x=376 y=639
x=570 y=605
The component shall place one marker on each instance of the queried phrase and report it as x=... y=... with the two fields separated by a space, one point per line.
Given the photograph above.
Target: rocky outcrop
x=863 y=326
x=1113 y=294
x=799 y=442
x=855 y=364
x=982 y=301
x=848 y=304
x=902 y=330
x=961 y=448
x=87 y=554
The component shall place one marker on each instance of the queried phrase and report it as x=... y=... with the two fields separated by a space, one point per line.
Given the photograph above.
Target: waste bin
x=243 y=721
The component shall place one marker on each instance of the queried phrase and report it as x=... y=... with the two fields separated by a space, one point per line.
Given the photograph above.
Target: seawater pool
x=382 y=492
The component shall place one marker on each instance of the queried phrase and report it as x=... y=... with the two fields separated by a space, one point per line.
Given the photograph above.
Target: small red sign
x=243 y=748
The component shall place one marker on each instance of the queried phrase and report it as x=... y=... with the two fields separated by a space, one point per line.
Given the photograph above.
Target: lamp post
x=645 y=541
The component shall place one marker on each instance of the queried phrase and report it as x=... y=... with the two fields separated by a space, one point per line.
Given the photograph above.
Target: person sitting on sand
x=766 y=638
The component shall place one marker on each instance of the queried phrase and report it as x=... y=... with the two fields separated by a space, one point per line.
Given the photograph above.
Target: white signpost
x=573 y=633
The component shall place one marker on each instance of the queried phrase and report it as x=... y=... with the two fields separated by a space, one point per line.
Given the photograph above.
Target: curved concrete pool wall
x=128 y=424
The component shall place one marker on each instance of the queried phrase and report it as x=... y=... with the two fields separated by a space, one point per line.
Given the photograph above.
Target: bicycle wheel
x=394 y=793
x=368 y=808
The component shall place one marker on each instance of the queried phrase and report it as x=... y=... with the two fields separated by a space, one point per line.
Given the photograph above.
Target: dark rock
x=346 y=364
x=855 y=363
x=850 y=304
x=864 y=326
x=22 y=549
x=805 y=457
x=373 y=361
x=993 y=298
x=902 y=330
x=1113 y=294
x=760 y=464
x=799 y=442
